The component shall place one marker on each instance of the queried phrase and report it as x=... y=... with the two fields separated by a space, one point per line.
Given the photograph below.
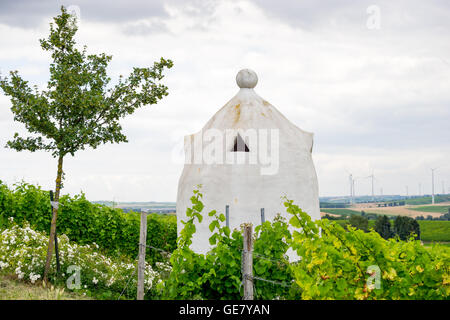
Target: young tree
x=329 y=217
x=78 y=109
x=404 y=226
x=446 y=216
x=359 y=222
x=383 y=227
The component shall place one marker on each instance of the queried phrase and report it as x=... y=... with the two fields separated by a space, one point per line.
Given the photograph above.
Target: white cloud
x=374 y=99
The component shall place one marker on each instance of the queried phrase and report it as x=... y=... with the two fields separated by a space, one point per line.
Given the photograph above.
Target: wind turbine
x=352 y=186
x=372 y=176
x=373 y=194
x=432 y=184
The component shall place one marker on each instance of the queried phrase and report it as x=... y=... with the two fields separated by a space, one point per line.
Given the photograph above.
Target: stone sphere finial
x=246 y=78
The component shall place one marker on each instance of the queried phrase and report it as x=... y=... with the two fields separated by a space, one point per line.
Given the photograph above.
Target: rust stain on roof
x=237 y=109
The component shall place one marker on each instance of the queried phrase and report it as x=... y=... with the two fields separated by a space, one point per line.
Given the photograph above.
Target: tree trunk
x=54 y=217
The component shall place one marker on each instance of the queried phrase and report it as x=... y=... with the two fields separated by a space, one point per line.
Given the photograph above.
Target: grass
x=434 y=209
x=427 y=200
x=435 y=230
x=13 y=289
x=341 y=212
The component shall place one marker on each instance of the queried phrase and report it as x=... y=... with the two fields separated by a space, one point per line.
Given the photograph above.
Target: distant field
x=400 y=211
x=434 y=209
x=427 y=200
x=435 y=230
x=341 y=212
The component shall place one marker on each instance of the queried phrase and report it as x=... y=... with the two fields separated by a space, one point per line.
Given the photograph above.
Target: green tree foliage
x=339 y=264
x=383 y=227
x=335 y=263
x=329 y=217
x=23 y=252
x=371 y=216
x=79 y=108
x=116 y=232
x=359 y=222
x=217 y=274
x=405 y=226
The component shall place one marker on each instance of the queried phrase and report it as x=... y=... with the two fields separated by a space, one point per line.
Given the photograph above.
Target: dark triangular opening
x=239 y=145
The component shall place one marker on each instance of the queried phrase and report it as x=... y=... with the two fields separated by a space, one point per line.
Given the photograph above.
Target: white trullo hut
x=247 y=156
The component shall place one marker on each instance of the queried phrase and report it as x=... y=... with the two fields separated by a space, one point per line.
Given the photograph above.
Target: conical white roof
x=247 y=110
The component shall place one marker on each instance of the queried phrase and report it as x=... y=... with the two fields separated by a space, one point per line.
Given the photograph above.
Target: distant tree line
x=331 y=205
x=369 y=216
x=403 y=226
x=327 y=216
x=444 y=217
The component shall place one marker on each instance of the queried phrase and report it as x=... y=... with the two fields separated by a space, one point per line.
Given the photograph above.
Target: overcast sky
x=376 y=93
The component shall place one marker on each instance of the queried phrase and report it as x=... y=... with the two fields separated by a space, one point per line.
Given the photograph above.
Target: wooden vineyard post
x=141 y=261
x=247 y=262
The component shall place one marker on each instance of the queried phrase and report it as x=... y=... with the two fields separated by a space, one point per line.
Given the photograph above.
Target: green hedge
x=429 y=230
x=113 y=230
